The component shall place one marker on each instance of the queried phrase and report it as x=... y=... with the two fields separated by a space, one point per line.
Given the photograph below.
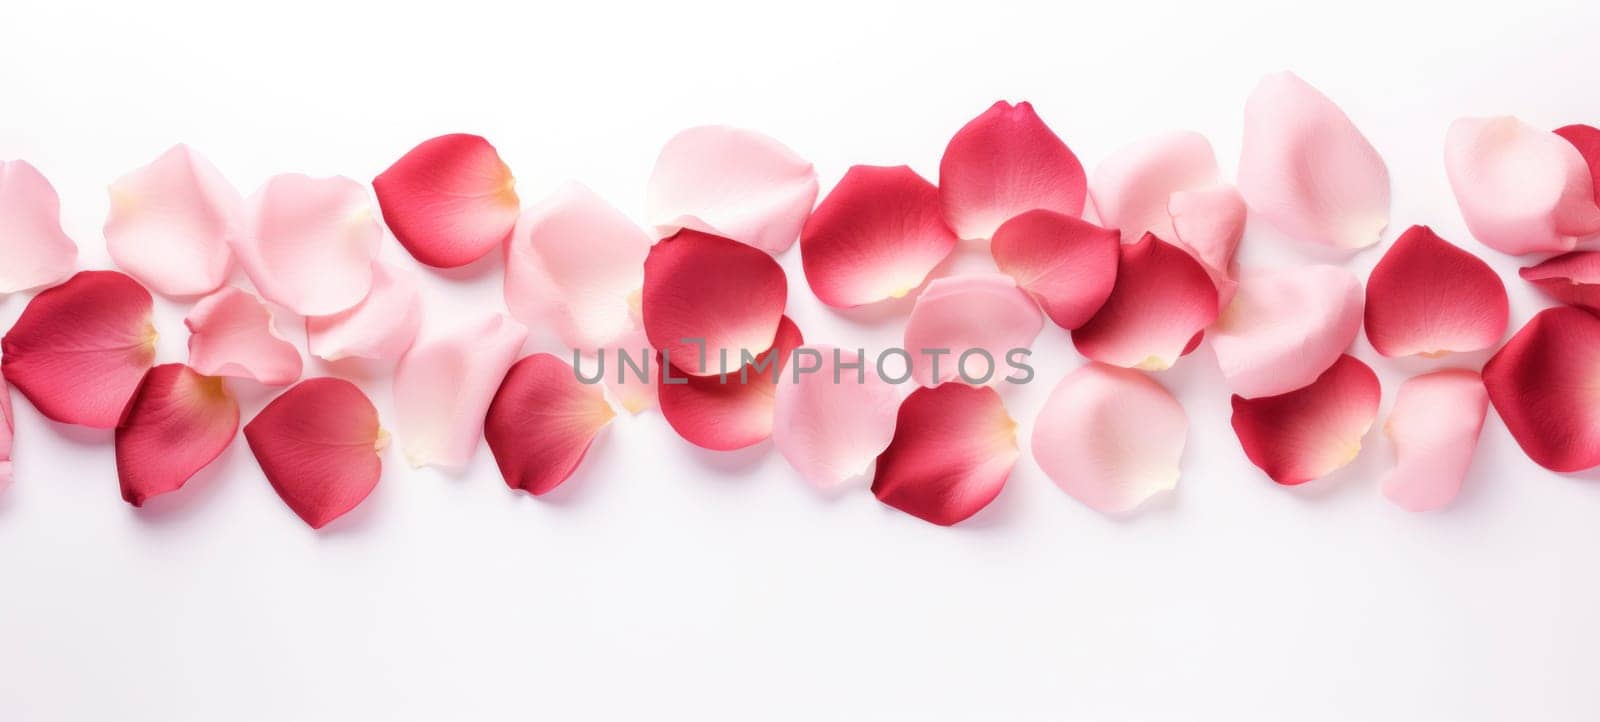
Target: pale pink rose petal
x=1521 y=189
x=382 y=327
x=1312 y=431
x=1209 y=223
x=576 y=264
x=1429 y=297
x=1285 y=327
x=832 y=422
x=1111 y=437
x=733 y=183
x=1162 y=302
x=7 y=432
x=309 y=243
x=443 y=386
x=173 y=223
x=1004 y=163
x=34 y=251
x=964 y=328
x=231 y=334
x=629 y=374
x=1133 y=187
x=1434 y=426
x=1308 y=170
x=877 y=235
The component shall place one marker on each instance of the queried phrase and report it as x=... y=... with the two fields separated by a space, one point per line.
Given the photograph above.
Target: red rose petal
x=877 y=235
x=80 y=349
x=178 y=422
x=1162 y=301
x=1571 y=278
x=449 y=201
x=1004 y=163
x=318 y=445
x=1068 y=265
x=1310 y=432
x=725 y=293
x=1545 y=383
x=1429 y=297
x=542 y=421
x=725 y=415
x=1587 y=140
x=954 y=445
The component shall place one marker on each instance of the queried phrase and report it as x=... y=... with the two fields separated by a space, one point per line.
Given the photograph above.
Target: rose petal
x=381 y=327
x=34 y=251
x=1003 y=163
x=1309 y=432
x=231 y=334
x=731 y=182
x=721 y=292
x=318 y=445
x=1110 y=437
x=1571 y=278
x=1434 y=426
x=1545 y=383
x=1521 y=189
x=1285 y=326
x=954 y=445
x=449 y=201
x=832 y=422
x=6 y=434
x=178 y=422
x=1308 y=170
x=309 y=243
x=80 y=349
x=877 y=235
x=443 y=387
x=1068 y=265
x=965 y=328
x=577 y=264
x=1133 y=187
x=1587 y=140
x=1162 y=302
x=627 y=374
x=542 y=421
x=1429 y=297
x=173 y=222
x=1209 y=223
x=726 y=414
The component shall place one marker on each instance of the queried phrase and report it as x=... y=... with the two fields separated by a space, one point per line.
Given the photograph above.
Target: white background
x=664 y=582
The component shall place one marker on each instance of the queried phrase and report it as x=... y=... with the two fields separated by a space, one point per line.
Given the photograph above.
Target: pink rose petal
x=443 y=387
x=1434 y=427
x=1110 y=437
x=7 y=432
x=1133 y=187
x=963 y=328
x=34 y=251
x=1521 y=189
x=733 y=183
x=1571 y=278
x=231 y=334
x=382 y=327
x=1004 y=163
x=309 y=243
x=1285 y=327
x=173 y=222
x=832 y=422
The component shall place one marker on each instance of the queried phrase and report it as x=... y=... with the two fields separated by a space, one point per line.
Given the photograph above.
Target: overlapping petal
x=381 y=327
x=1285 y=326
x=1571 y=278
x=231 y=334
x=954 y=446
x=80 y=349
x=1110 y=437
x=1066 y=264
x=1587 y=140
x=1209 y=223
x=450 y=200
x=318 y=445
x=1133 y=187
x=1308 y=170
x=1310 y=432
x=832 y=422
x=178 y=422
x=876 y=235
x=1426 y=296
x=309 y=243
x=966 y=327
x=731 y=182
x=1003 y=163
x=709 y=301
x=34 y=251
x=443 y=387
x=1434 y=426
x=1162 y=302
x=726 y=414
x=1521 y=189
x=577 y=264
x=541 y=422
x=1545 y=384
x=173 y=223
